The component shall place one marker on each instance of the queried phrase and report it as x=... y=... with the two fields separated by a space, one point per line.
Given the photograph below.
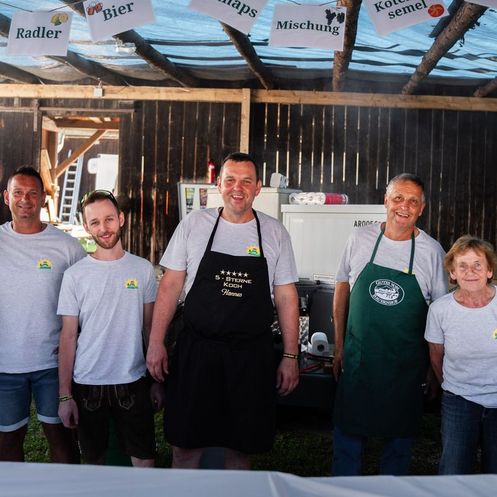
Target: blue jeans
x=465 y=427
x=16 y=390
x=348 y=449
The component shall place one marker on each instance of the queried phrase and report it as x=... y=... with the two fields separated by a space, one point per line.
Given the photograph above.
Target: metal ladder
x=70 y=192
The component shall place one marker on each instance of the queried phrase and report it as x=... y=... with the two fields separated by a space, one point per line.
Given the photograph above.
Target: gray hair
x=413 y=178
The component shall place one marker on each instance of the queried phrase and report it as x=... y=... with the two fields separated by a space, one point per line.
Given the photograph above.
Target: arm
x=286 y=301
x=68 y=411
x=436 y=358
x=156 y=389
x=148 y=310
x=340 y=308
x=165 y=306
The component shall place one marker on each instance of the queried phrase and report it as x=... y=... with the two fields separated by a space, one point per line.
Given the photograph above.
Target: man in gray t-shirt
x=110 y=296
x=33 y=258
x=387 y=277
x=222 y=382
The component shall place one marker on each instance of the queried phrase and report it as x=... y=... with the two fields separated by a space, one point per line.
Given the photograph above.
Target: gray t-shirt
x=32 y=267
x=428 y=259
x=469 y=337
x=187 y=245
x=108 y=297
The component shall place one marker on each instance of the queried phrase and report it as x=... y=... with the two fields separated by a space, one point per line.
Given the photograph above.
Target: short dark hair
x=469 y=242
x=27 y=171
x=413 y=178
x=241 y=157
x=95 y=196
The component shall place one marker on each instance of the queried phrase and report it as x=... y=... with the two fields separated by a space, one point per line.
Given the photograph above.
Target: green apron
x=380 y=391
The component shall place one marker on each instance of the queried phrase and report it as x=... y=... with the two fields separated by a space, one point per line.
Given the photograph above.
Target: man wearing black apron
x=381 y=357
x=222 y=382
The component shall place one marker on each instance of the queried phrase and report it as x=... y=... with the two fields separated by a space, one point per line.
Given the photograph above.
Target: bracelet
x=63 y=398
x=290 y=356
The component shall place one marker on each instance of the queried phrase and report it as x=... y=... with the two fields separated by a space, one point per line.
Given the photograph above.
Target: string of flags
x=313 y=26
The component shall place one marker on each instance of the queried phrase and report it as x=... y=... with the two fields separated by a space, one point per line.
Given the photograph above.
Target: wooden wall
x=352 y=150
x=356 y=150
x=164 y=143
x=19 y=145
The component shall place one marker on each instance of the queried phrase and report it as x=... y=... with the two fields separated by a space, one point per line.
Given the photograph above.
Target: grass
x=303 y=445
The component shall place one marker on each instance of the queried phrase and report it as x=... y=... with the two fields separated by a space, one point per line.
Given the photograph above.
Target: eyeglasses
x=95 y=195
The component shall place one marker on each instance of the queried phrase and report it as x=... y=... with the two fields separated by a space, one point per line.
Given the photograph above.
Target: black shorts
x=130 y=407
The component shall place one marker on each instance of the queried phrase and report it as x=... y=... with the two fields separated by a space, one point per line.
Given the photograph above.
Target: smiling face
x=470 y=270
x=103 y=222
x=238 y=186
x=404 y=203
x=25 y=198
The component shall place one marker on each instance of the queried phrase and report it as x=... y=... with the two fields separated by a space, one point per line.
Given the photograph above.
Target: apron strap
x=211 y=238
x=413 y=243
x=373 y=255
x=411 y=261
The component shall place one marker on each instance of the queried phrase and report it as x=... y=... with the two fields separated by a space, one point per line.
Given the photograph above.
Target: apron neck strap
x=211 y=238
x=411 y=259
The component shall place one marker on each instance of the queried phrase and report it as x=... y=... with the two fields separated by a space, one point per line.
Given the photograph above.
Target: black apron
x=221 y=387
x=380 y=391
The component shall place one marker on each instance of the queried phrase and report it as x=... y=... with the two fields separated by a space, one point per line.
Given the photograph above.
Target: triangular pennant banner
x=39 y=33
x=238 y=14
x=109 y=17
x=309 y=26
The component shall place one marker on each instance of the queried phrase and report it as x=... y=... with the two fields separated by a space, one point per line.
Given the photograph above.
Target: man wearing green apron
x=222 y=382
x=394 y=270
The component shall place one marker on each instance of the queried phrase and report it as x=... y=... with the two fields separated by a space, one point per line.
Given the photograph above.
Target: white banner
x=109 y=17
x=238 y=14
x=312 y=26
x=394 y=15
x=39 y=33
x=487 y=3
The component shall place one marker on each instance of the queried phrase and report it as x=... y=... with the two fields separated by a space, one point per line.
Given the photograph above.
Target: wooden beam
x=247 y=51
x=463 y=19
x=245 y=122
x=150 y=55
x=236 y=96
x=85 y=92
x=82 y=65
x=485 y=90
x=146 y=52
x=81 y=124
x=18 y=75
x=89 y=68
x=46 y=173
x=342 y=59
x=78 y=152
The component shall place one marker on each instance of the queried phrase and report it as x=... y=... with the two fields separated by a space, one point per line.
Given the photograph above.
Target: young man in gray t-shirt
x=110 y=296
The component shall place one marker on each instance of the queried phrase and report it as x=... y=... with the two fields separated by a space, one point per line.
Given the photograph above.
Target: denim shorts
x=16 y=390
x=128 y=405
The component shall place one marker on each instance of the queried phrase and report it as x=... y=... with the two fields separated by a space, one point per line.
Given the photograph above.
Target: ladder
x=70 y=192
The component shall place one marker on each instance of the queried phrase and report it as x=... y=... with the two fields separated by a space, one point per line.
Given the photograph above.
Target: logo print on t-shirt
x=254 y=250
x=386 y=292
x=44 y=264
x=131 y=284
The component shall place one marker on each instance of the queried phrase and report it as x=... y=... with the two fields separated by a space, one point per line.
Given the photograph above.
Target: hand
x=431 y=387
x=287 y=376
x=337 y=364
x=157 y=396
x=157 y=362
x=68 y=413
